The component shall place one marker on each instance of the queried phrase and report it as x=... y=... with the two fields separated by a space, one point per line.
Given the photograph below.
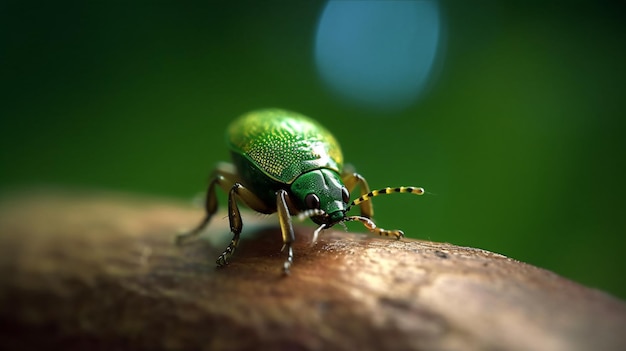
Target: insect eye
x=312 y=201
x=345 y=194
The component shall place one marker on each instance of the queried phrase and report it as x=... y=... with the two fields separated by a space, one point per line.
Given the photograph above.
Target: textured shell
x=284 y=144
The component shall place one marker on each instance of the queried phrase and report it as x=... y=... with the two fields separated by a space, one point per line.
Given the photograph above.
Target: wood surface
x=100 y=271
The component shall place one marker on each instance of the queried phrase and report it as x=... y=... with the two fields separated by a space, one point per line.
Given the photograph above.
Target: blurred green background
x=519 y=138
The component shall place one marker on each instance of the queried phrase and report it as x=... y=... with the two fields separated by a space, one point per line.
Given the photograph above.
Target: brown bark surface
x=100 y=271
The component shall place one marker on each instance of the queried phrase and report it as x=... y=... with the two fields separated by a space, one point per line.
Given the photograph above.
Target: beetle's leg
x=286 y=227
x=210 y=207
x=224 y=176
x=234 y=218
x=351 y=180
x=369 y=224
x=238 y=191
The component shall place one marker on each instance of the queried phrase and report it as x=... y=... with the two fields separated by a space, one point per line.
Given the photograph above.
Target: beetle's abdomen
x=284 y=144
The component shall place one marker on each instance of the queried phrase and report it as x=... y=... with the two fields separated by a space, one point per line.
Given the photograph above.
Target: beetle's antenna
x=311 y=213
x=383 y=191
x=369 y=224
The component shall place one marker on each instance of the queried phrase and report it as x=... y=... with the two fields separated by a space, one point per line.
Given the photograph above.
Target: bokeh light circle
x=377 y=54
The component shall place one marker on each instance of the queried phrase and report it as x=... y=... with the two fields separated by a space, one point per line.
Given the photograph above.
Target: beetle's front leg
x=351 y=180
x=286 y=227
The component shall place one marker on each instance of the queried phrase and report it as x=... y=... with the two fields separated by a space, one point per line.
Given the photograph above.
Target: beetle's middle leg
x=238 y=191
x=283 y=206
x=225 y=176
x=351 y=180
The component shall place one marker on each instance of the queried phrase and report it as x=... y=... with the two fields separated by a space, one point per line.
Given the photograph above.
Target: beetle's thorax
x=326 y=184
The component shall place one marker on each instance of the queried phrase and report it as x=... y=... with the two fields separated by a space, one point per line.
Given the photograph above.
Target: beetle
x=285 y=162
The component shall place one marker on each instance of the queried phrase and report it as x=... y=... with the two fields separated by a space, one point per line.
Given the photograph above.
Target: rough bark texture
x=102 y=272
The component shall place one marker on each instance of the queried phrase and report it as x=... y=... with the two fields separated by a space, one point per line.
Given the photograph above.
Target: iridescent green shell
x=284 y=144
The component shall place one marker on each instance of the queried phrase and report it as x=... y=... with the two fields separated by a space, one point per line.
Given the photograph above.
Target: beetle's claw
x=399 y=235
x=181 y=238
x=289 y=260
x=222 y=260
x=287 y=266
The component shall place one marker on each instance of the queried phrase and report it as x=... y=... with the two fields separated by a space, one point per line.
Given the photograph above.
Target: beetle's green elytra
x=286 y=163
x=284 y=145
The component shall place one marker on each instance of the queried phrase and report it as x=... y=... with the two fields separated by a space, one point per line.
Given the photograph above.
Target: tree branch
x=100 y=271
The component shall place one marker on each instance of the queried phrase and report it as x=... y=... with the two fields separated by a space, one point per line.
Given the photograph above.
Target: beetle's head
x=322 y=189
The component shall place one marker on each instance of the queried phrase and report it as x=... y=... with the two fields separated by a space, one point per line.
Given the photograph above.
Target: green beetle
x=288 y=163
